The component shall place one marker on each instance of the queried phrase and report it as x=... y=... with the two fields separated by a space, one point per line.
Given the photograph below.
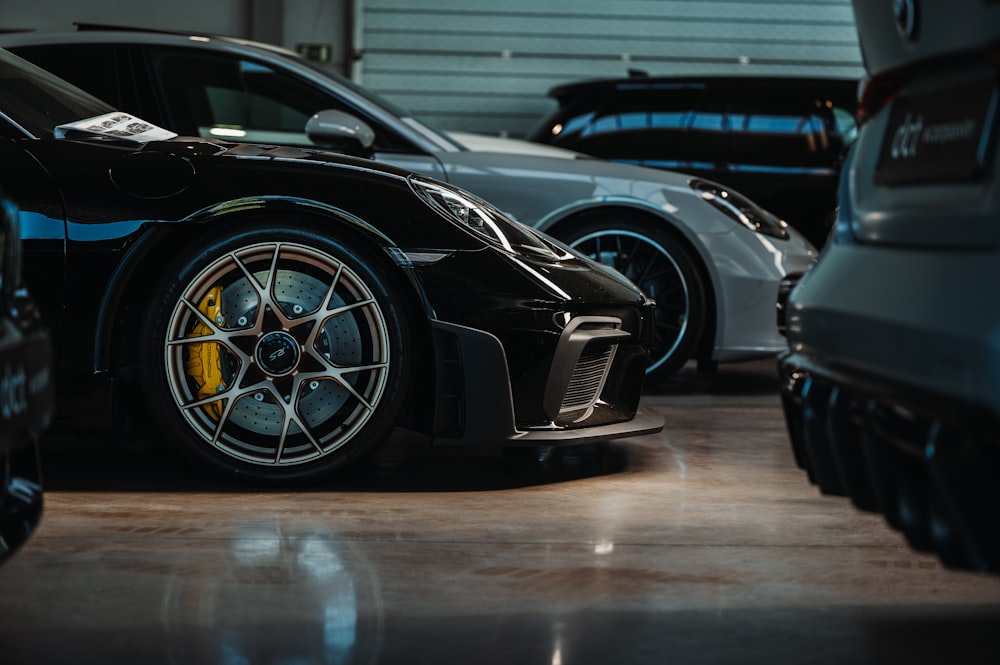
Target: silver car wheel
x=651 y=267
x=277 y=354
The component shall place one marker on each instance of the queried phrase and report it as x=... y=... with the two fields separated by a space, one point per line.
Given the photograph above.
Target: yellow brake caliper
x=204 y=363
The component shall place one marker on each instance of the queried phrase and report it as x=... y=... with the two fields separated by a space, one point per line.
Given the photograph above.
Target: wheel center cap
x=277 y=353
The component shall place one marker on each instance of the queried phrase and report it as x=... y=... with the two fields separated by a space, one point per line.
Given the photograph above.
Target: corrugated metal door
x=473 y=65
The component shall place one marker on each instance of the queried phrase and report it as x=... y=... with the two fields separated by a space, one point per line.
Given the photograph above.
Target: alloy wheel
x=277 y=354
x=651 y=267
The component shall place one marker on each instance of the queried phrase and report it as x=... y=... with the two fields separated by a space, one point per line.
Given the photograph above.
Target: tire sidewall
x=681 y=255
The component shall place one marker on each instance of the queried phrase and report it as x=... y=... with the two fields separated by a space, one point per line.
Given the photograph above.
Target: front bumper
x=533 y=352
x=748 y=278
x=591 y=393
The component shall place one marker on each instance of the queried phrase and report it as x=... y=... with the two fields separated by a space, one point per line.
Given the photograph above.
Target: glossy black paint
x=487 y=318
x=97 y=234
x=779 y=141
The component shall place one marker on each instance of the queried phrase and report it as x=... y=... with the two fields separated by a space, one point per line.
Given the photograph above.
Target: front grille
x=587 y=380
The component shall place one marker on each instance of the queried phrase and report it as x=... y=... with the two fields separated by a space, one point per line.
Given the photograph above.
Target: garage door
x=485 y=66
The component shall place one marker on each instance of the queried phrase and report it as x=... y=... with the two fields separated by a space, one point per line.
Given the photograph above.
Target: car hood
x=194 y=147
x=619 y=178
x=485 y=143
x=535 y=189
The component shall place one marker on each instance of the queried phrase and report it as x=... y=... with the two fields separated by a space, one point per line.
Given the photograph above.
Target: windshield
x=39 y=101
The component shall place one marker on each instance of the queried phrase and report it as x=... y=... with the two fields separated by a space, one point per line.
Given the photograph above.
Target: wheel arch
x=122 y=305
x=558 y=223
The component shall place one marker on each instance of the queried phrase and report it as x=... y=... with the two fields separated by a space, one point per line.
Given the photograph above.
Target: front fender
x=152 y=246
x=555 y=218
x=250 y=204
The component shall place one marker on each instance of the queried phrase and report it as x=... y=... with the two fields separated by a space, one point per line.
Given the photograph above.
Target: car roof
x=845 y=89
x=102 y=33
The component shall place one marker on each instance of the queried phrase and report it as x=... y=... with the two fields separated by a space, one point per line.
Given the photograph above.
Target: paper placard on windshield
x=118 y=125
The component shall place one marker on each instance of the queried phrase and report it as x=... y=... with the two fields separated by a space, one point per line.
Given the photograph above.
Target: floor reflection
x=406 y=462
x=703 y=544
x=278 y=598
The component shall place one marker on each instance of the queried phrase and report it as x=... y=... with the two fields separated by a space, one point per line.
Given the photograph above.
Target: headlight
x=740 y=209
x=483 y=220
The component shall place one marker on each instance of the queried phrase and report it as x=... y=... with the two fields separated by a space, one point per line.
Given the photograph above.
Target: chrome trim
x=17 y=126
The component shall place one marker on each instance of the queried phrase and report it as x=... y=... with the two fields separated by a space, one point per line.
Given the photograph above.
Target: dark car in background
x=27 y=398
x=778 y=140
x=279 y=311
x=891 y=384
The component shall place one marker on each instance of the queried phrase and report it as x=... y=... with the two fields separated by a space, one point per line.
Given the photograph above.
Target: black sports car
x=279 y=311
x=26 y=394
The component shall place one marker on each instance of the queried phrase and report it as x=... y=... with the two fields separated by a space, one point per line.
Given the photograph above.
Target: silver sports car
x=713 y=260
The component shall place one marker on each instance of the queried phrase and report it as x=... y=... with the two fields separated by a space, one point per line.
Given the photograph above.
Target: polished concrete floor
x=702 y=544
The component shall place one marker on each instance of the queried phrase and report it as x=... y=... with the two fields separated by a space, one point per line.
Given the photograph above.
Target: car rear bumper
x=21 y=498
x=26 y=403
x=928 y=464
x=914 y=317
x=887 y=391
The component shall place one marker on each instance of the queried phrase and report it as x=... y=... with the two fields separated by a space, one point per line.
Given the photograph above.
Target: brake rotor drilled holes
x=265 y=350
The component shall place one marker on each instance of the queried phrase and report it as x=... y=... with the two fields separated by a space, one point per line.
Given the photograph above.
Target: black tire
x=308 y=363
x=660 y=265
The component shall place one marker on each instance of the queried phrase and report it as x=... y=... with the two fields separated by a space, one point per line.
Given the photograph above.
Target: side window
x=644 y=122
x=221 y=96
x=707 y=141
x=264 y=109
x=779 y=129
x=217 y=96
x=94 y=67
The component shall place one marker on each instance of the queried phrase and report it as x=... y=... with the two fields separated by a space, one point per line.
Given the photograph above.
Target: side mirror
x=341 y=132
